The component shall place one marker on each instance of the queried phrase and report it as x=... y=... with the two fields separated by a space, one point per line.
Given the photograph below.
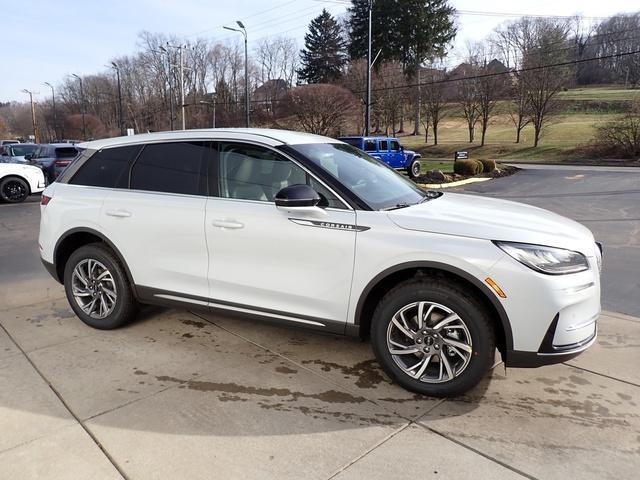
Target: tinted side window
x=369 y=145
x=171 y=167
x=106 y=167
x=395 y=146
x=250 y=172
x=383 y=146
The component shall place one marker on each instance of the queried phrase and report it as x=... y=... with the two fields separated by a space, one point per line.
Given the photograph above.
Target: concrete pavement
x=179 y=395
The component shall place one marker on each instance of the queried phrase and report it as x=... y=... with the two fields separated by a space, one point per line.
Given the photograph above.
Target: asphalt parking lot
x=180 y=395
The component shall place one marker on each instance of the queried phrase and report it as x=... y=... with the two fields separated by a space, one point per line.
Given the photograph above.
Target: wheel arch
x=390 y=277
x=75 y=238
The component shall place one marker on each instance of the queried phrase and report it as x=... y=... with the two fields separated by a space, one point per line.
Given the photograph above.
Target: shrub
x=621 y=138
x=488 y=166
x=467 y=167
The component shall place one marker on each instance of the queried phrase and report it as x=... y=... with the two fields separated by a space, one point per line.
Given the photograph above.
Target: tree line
x=519 y=69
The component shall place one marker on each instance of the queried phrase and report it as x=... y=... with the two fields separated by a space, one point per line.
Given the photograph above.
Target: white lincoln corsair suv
x=309 y=231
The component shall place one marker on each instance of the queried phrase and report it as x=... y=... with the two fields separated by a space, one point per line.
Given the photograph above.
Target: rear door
x=383 y=149
x=158 y=222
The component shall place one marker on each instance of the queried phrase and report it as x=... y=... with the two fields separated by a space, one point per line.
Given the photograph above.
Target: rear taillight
x=44 y=200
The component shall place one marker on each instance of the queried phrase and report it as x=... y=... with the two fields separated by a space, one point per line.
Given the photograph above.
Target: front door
x=295 y=267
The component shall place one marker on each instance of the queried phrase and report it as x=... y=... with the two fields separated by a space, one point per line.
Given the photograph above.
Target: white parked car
x=309 y=231
x=18 y=181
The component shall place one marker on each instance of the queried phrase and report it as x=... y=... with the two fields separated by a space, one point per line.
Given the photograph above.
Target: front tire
x=414 y=169
x=445 y=354
x=98 y=289
x=13 y=190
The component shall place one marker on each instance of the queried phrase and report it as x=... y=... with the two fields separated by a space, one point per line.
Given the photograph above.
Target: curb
x=454 y=184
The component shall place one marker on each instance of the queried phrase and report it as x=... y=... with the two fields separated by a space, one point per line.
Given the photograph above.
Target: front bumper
x=549 y=354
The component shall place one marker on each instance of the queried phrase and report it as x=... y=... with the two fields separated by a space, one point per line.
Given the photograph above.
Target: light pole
x=33 y=113
x=367 y=116
x=171 y=114
x=243 y=31
x=120 y=122
x=84 y=125
x=55 y=115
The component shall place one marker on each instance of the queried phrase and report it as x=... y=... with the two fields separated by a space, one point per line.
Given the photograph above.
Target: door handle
x=119 y=213
x=227 y=224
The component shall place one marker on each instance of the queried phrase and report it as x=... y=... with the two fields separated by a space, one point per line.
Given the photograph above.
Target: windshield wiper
x=430 y=195
x=396 y=207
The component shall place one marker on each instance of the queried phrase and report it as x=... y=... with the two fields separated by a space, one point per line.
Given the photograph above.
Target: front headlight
x=549 y=260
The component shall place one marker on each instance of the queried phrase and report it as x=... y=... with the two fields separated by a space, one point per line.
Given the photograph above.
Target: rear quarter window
x=107 y=168
x=65 y=152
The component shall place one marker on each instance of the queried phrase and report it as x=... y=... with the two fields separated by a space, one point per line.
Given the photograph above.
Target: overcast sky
x=44 y=40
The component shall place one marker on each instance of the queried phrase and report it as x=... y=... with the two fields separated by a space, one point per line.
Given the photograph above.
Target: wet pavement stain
x=194 y=323
x=368 y=372
x=285 y=370
x=579 y=380
x=329 y=396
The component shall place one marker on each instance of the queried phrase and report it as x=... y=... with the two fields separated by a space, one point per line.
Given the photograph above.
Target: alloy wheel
x=93 y=288
x=14 y=190
x=429 y=342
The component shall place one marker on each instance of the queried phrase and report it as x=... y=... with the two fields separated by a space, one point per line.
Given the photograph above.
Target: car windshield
x=381 y=187
x=20 y=150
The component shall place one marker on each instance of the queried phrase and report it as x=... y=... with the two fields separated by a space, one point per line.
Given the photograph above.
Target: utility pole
x=182 y=86
x=243 y=31
x=55 y=115
x=84 y=125
x=171 y=114
x=416 y=128
x=33 y=113
x=181 y=49
x=367 y=115
x=213 y=105
x=120 y=122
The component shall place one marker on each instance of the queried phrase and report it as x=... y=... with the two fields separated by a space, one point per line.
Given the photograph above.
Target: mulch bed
x=502 y=171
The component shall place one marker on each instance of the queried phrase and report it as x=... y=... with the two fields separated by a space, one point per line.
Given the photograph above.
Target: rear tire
x=414 y=169
x=13 y=190
x=466 y=339
x=98 y=289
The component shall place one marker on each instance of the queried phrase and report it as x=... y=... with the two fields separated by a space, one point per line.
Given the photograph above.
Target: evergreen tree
x=324 y=53
x=408 y=31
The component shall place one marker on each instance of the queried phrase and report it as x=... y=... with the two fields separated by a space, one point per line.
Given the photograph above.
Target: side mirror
x=401 y=148
x=297 y=196
x=28 y=156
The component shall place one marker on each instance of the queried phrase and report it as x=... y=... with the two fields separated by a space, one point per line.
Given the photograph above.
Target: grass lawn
x=564 y=139
x=446 y=167
x=600 y=93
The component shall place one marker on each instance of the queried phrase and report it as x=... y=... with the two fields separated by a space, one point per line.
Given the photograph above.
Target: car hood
x=494 y=219
x=18 y=169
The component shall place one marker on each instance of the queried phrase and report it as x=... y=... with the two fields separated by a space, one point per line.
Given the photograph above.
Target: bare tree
x=433 y=98
x=320 y=108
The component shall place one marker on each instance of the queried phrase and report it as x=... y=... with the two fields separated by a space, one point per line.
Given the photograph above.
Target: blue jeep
x=388 y=150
